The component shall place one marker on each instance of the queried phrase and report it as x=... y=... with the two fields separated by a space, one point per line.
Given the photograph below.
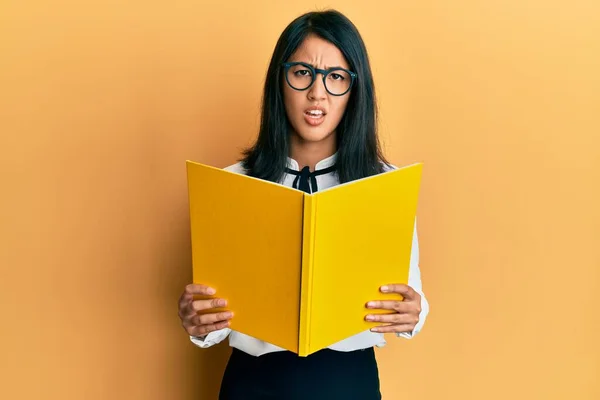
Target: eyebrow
x=326 y=67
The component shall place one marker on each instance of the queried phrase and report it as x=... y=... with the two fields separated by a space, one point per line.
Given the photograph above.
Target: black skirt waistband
x=326 y=374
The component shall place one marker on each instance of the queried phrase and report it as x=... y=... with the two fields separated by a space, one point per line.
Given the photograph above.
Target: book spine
x=308 y=249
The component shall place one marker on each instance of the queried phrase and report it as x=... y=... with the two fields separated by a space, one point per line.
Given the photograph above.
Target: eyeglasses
x=300 y=76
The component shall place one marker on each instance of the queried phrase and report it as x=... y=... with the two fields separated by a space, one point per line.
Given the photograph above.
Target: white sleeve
x=211 y=339
x=414 y=281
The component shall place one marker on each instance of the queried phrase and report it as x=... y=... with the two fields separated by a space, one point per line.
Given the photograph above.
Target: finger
x=205 y=304
x=196 y=288
x=191 y=290
x=394 y=328
x=397 y=305
x=393 y=318
x=196 y=319
x=204 y=329
x=405 y=290
x=212 y=318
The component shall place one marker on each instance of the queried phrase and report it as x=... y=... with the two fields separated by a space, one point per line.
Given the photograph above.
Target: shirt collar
x=324 y=163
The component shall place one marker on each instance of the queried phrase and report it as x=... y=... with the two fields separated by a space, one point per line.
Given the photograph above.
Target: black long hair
x=358 y=150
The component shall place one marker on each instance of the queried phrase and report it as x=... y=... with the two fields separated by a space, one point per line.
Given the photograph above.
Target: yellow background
x=499 y=99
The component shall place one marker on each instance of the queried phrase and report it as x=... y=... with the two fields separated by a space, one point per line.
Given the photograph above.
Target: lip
x=314 y=121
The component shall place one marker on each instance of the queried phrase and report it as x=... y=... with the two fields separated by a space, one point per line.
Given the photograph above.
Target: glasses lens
x=338 y=81
x=299 y=77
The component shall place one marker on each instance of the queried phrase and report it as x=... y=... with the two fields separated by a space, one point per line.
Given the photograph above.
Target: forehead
x=319 y=52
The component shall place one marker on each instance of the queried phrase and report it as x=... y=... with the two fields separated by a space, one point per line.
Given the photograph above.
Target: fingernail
x=211 y=290
x=370 y=318
x=371 y=304
x=384 y=288
x=222 y=302
x=374 y=330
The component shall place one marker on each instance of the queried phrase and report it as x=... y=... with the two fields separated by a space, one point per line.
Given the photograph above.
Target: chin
x=314 y=135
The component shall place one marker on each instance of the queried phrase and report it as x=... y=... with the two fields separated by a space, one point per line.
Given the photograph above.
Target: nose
x=317 y=90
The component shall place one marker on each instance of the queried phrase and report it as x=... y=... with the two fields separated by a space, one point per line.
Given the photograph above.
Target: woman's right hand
x=197 y=324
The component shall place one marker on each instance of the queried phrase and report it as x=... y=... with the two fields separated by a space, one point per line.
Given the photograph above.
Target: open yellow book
x=297 y=269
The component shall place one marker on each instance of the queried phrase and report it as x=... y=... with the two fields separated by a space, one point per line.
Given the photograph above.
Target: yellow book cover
x=297 y=269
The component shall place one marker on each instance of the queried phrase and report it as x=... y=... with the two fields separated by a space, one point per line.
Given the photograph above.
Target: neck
x=307 y=153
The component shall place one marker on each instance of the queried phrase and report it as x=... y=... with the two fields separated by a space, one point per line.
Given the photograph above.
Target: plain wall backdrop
x=101 y=103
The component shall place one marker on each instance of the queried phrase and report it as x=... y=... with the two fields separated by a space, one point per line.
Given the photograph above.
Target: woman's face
x=309 y=126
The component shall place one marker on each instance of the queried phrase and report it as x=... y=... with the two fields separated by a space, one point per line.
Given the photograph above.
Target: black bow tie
x=302 y=178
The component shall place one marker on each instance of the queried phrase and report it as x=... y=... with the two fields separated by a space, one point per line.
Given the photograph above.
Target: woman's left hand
x=405 y=315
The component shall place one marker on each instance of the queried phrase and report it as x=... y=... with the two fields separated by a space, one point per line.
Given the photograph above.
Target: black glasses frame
x=315 y=71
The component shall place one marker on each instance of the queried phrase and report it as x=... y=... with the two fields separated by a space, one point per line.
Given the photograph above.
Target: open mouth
x=314 y=117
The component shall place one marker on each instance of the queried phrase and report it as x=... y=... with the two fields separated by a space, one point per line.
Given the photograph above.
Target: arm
x=414 y=281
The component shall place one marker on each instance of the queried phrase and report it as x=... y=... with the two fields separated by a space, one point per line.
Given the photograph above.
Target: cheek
x=291 y=101
x=338 y=108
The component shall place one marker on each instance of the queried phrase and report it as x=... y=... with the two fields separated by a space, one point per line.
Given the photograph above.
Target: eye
x=337 y=77
x=302 y=72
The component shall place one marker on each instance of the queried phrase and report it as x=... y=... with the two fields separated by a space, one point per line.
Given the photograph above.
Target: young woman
x=318 y=129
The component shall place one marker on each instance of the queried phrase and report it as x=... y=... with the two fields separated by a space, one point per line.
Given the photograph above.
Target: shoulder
x=236 y=168
x=388 y=167
x=391 y=167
